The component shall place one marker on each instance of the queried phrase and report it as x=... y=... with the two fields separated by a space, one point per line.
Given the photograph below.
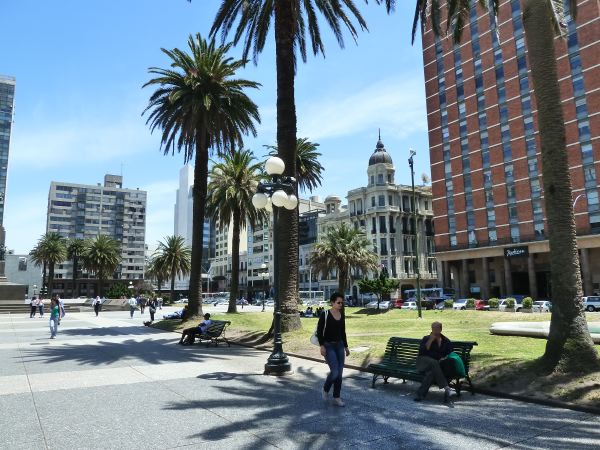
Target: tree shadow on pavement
x=288 y=412
x=150 y=351
x=108 y=331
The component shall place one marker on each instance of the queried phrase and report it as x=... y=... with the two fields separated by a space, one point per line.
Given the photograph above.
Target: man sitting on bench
x=189 y=334
x=434 y=348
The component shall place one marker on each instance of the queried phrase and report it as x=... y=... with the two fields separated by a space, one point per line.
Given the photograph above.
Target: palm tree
x=38 y=260
x=174 y=258
x=291 y=20
x=308 y=167
x=199 y=105
x=569 y=345
x=343 y=249
x=102 y=256
x=157 y=270
x=75 y=249
x=233 y=183
x=50 y=250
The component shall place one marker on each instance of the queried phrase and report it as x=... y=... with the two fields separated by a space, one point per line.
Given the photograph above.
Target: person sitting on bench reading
x=434 y=348
x=189 y=334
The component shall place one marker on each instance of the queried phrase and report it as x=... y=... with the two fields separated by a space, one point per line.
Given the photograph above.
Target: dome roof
x=380 y=156
x=333 y=198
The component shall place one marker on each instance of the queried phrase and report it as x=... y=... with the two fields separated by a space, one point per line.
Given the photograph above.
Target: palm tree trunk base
x=290 y=322
x=576 y=355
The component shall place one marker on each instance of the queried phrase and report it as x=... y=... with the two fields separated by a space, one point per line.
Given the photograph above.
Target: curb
x=490 y=392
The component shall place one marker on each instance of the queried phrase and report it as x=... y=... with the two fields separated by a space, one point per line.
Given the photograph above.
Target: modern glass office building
x=488 y=199
x=7 y=102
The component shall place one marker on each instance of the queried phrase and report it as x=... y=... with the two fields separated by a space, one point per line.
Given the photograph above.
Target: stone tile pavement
x=111 y=383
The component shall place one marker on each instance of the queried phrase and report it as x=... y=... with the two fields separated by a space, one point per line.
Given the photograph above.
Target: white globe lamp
x=260 y=200
x=279 y=198
x=269 y=205
x=274 y=166
x=291 y=202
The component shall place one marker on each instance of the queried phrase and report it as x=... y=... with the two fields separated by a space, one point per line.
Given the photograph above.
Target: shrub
x=118 y=290
x=470 y=303
x=527 y=303
x=510 y=303
x=493 y=302
x=448 y=303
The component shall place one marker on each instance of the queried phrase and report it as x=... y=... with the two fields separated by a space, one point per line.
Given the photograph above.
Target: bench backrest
x=216 y=327
x=404 y=351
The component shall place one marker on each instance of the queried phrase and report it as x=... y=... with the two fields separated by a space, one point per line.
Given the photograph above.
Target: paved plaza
x=111 y=383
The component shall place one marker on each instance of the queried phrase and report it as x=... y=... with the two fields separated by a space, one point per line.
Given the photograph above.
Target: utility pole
x=414 y=207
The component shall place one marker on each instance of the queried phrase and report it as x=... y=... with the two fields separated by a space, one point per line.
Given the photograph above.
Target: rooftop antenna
x=379 y=133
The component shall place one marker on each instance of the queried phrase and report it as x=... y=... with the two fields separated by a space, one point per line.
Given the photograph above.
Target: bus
x=208 y=298
x=437 y=294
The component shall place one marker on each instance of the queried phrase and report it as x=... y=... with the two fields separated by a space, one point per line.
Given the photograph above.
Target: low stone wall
x=536 y=329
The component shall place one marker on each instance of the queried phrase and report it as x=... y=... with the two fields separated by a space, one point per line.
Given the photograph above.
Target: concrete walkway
x=109 y=382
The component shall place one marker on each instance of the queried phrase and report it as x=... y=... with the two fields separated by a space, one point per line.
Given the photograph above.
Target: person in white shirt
x=191 y=333
x=132 y=306
x=96 y=303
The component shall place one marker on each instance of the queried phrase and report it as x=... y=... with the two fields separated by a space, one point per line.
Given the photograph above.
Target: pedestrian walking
x=142 y=303
x=132 y=306
x=331 y=332
x=152 y=308
x=54 y=314
x=41 y=306
x=33 y=306
x=97 y=303
x=159 y=300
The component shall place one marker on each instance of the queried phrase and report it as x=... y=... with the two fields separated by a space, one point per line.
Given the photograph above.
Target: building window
x=514 y=233
x=380 y=178
x=372 y=180
x=22 y=264
x=373 y=201
x=382 y=226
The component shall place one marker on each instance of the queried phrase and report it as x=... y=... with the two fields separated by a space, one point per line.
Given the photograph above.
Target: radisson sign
x=513 y=252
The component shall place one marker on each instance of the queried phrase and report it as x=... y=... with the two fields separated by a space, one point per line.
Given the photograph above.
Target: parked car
x=542 y=306
x=398 y=302
x=426 y=303
x=518 y=306
x=270 y=302
x=409 y=305
x=460 y=304
x=482 y=305
x=591 y=304
x=241 y=302
x=384 y=304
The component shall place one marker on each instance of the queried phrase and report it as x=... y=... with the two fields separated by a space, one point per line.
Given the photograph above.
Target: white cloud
x=396 y=105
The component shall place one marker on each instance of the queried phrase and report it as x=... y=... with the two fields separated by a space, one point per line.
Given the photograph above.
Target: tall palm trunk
x=173 y=274
x=44 y=278
x=235 y=263
x=569 y=345
x=287 y=229
x=75 y=263
x=342 y=280
x=50 y=279
x=199 y=205
x=100 y=285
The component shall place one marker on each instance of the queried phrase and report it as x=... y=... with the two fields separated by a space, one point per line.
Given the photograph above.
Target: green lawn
x=373 y=330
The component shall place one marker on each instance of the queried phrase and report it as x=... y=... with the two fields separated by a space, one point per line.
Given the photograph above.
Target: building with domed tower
x=384 y=212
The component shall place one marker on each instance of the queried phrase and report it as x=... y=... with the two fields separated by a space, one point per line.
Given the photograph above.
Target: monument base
x=12 y=291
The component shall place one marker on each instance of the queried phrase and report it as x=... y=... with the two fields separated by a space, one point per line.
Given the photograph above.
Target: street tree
x=174 y=258
x=381 y=286
x=291 y=21
x=232 y=184
x=102 y=256
x=50 y=250
x=200 y=105
x=343 y=250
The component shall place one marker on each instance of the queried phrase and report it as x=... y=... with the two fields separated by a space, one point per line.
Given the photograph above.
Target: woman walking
x=54 y=314
x=331 y=332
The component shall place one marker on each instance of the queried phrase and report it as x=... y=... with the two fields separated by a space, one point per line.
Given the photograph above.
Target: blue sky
x=80 y=67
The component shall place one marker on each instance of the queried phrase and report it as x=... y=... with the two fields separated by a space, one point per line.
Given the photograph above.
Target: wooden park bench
x=400 y=359
x=215 y=333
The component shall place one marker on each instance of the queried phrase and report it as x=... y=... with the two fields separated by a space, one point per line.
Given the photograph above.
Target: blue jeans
x=335 y=356
x=53 y=326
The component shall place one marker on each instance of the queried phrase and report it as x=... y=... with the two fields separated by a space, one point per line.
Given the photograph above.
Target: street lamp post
x=263 y=267
x=273 y=195
x=414 y=206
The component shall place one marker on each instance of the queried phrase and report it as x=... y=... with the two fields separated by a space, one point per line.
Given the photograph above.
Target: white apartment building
x=81 y=211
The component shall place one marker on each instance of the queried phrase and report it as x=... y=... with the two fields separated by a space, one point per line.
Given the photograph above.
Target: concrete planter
x=493 y=309
x=471 y=309
x=529 y=310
